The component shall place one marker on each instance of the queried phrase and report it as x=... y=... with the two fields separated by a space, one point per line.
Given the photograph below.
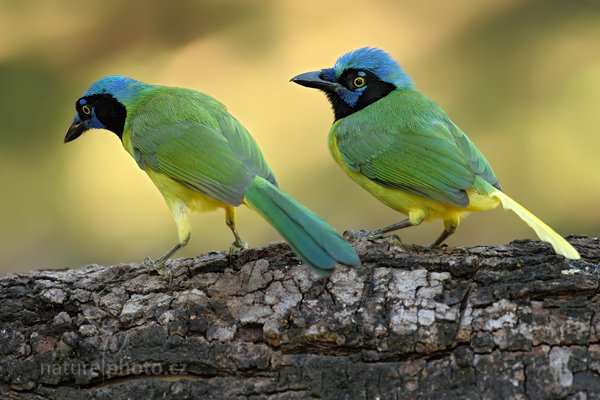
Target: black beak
x=75 y=130
x=313 y=80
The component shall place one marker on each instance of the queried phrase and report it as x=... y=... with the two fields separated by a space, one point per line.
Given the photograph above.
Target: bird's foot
x=158 y=266
x=394 y=238
x=235 y=248
x=434 y=246
x=361 y=233
x=373 y=236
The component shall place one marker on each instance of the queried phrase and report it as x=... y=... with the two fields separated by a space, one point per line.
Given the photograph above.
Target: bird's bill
x=313 y=80
x=75 y=130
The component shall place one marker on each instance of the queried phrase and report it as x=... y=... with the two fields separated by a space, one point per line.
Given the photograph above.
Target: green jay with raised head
x=404 y=149
x=201 y=158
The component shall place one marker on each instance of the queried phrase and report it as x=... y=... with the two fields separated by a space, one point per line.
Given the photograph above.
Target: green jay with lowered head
x=403 y=148
x=201 y=158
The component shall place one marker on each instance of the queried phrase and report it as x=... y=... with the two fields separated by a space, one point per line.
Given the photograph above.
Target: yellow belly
x=174 y=191
x=180 y=198
x=417 y=208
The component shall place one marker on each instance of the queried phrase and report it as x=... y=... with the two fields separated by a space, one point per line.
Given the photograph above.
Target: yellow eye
x=86 y=109
x=359 y=81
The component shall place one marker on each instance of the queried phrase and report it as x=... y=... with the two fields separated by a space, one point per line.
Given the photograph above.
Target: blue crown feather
x=121 y=88
x=377 y=62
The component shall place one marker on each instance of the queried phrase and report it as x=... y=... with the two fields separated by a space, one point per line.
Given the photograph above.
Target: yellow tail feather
x=544 y=232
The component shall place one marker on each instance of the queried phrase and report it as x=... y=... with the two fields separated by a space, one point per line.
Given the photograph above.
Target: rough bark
x=511 y=322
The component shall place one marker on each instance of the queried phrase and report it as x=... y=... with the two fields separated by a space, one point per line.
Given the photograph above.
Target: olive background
x=522 y=78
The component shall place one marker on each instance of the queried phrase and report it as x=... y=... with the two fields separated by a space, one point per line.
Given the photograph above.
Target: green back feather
x=406 y=141
x=190 y=137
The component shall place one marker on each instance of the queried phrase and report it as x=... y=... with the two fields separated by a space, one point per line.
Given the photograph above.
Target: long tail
x=316 y=242
x=544 y=232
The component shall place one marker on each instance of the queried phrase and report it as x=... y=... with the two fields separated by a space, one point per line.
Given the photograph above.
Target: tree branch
x=511 y=321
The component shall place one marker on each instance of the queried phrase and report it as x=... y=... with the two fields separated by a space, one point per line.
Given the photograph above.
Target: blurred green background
x=522 y=78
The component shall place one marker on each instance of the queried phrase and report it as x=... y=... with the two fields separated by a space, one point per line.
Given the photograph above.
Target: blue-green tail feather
x=316 y=242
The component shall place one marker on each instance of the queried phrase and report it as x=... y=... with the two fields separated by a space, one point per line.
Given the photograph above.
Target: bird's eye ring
x=359 y=82
x=86 y=109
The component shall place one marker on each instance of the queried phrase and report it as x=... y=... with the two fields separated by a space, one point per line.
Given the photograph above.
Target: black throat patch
x=109 y=112
x=375 y=89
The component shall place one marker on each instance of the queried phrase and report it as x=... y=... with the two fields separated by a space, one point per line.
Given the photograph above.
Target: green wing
x=477 y=161
x=406 y=141
x=242 y=144
x=203 y=147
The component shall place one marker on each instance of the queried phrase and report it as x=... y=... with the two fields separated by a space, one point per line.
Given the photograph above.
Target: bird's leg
x=230 y=220
x=415 y=217
x=394 y=227
x=158 y=265
x=376 y=234
x=184 y=232
x=449 y=229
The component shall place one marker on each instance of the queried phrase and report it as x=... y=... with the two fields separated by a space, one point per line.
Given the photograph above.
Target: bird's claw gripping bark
x=158 y=266
x=372 y=236
x=235 y=247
